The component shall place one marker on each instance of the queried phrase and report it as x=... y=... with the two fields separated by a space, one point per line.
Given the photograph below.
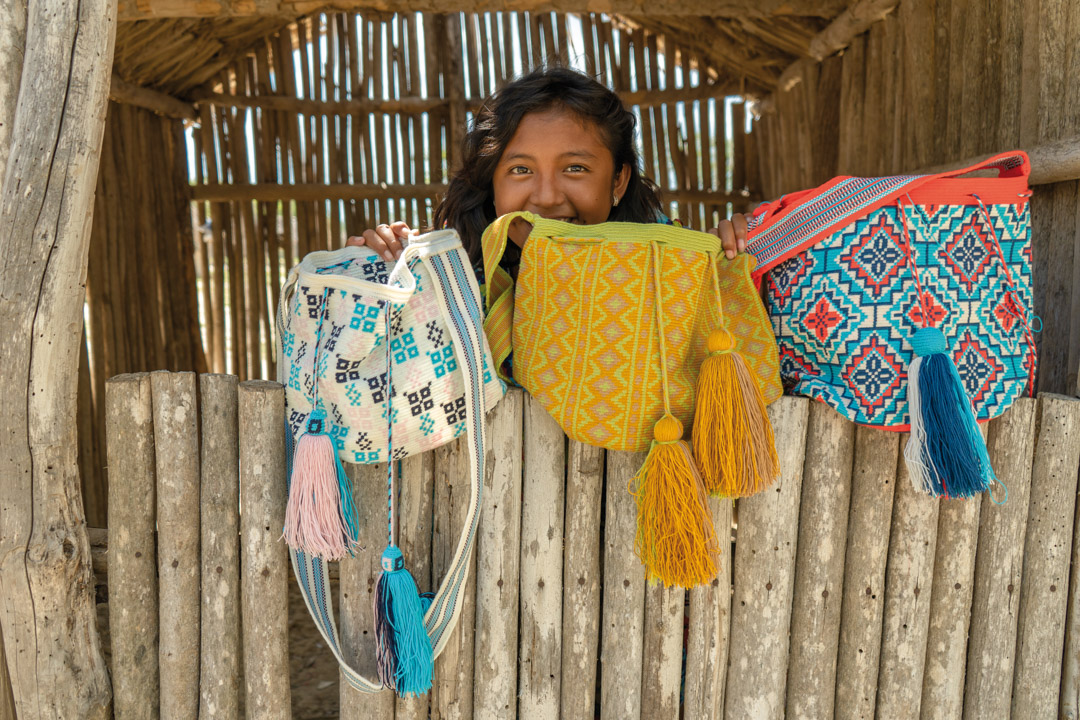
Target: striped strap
x=499 y=289
x=458 y=294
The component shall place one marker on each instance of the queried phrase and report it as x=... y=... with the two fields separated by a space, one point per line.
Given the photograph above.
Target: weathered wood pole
x=59 y=71
x=1047 y=550
x=219 y=668
x=999 y=563
x=543 y=484
x=264 y=559
x=133 y=586
x=498 y=555
x=176 y=440
x=819 y=563
x=357 y=592
x=873 y=480
x=581 y=585
x=764 y=576
x=623 y=619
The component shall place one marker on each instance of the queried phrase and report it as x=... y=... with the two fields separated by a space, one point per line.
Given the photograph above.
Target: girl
x=556 y=143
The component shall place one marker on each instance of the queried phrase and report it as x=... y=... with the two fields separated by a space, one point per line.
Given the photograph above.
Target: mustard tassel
x=675 y=536
x=733 y=438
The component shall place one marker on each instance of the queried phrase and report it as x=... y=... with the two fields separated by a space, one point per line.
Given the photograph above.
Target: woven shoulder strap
x=459 y=299
x=783 y=228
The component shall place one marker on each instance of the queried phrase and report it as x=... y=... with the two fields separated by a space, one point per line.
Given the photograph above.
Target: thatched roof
x=176 y=46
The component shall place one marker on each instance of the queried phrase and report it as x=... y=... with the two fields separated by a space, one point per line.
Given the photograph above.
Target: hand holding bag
x=906 y=302
x=377 y=366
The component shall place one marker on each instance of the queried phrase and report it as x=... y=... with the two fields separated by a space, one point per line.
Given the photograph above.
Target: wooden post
x=908 y=583
x=541 y=564
x=452 y=694
x=662 y=652
x=764 y=575
x=710 y=623
x=219 y=670
x=54 y=83
x=999 y=562
x=498 y=555
x=622 y=622
x=581 y=585
x=357 y=592
x=819 y=563
x=264 y=559
x=872 y=484
x=176 y=438
x=414 y=539
x=133 y=586
x=1043 y=595
x=7 y=702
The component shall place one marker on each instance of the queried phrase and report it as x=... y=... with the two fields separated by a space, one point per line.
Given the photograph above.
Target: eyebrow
x=566 y=155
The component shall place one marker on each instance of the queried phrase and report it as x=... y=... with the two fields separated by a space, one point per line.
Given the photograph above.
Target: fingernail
x=742 y=244
x=730 y=254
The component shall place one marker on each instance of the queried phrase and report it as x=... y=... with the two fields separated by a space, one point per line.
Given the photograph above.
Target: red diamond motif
x=823 y=319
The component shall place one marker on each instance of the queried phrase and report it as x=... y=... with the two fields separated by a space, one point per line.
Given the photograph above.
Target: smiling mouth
x=565 y=219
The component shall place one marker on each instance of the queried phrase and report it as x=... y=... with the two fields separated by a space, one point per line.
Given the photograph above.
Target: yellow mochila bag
x=610 y=326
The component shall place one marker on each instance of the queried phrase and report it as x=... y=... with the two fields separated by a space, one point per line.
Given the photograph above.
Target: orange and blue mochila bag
x=905 y=303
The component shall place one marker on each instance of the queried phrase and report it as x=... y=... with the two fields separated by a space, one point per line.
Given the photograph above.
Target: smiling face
x=557 y=166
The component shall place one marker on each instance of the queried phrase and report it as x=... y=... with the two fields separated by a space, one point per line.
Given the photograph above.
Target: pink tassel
x=315 y=520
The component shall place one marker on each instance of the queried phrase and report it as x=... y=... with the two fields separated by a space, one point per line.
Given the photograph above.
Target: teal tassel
x=404 y=655
x=946 y=454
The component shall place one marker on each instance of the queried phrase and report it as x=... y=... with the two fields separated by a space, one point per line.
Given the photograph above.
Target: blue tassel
x=946 y=454
x=405 y=658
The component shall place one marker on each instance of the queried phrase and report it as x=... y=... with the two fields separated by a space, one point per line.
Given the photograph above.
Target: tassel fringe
x=404 y=655
x=733 y=438
x=320 y=515
x=946 y=454
x=675 y=536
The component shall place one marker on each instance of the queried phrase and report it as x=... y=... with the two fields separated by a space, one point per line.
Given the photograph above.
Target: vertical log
x=541 y=564
x=133 y=588
x=999 y=562
x=7 y=702
x=176 y=437
x=581 y=585
x=908 y=583
x=357 y=589
x=1043 y=598
x=219 y=669
x=764 y=574
x=498 y=553
x=710 y=623
x=414 y=539
x=452 y=695
x=872 y=490
x=264 y=559
x=819 y=563
x=950 y=608
x=662 y=652
x=60 y=76
x=623 y=610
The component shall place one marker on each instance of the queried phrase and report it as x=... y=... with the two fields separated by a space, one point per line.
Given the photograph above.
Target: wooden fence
x=842 y=594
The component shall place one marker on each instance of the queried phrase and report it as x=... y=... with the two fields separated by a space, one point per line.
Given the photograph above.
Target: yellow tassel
x=675 y=536
x=733 y=438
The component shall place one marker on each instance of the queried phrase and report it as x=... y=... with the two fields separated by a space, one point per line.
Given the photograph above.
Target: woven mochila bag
x=621 y=330
x=905 y=303
x=378 y=365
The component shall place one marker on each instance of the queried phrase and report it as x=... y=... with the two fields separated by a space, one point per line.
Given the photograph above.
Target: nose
x=546 y=192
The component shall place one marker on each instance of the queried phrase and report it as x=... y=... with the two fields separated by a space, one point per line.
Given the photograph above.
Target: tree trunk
x=46 y=202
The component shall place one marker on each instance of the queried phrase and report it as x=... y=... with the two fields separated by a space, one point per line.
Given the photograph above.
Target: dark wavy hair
x=469 y=204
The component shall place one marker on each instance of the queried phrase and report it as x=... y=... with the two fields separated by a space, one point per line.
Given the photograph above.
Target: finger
x=519 y=231
x=738 y=220
x=374 y=240
x=390 y=241
x=727 y=239
x=355 y=241
x=714 y=231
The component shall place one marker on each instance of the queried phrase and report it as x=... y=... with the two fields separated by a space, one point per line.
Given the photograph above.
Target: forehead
x=555 y=132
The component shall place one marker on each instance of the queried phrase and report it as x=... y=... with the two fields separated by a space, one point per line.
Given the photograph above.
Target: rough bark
x=46 y=204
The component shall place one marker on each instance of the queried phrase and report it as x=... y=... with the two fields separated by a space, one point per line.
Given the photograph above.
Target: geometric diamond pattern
x=844 y=309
